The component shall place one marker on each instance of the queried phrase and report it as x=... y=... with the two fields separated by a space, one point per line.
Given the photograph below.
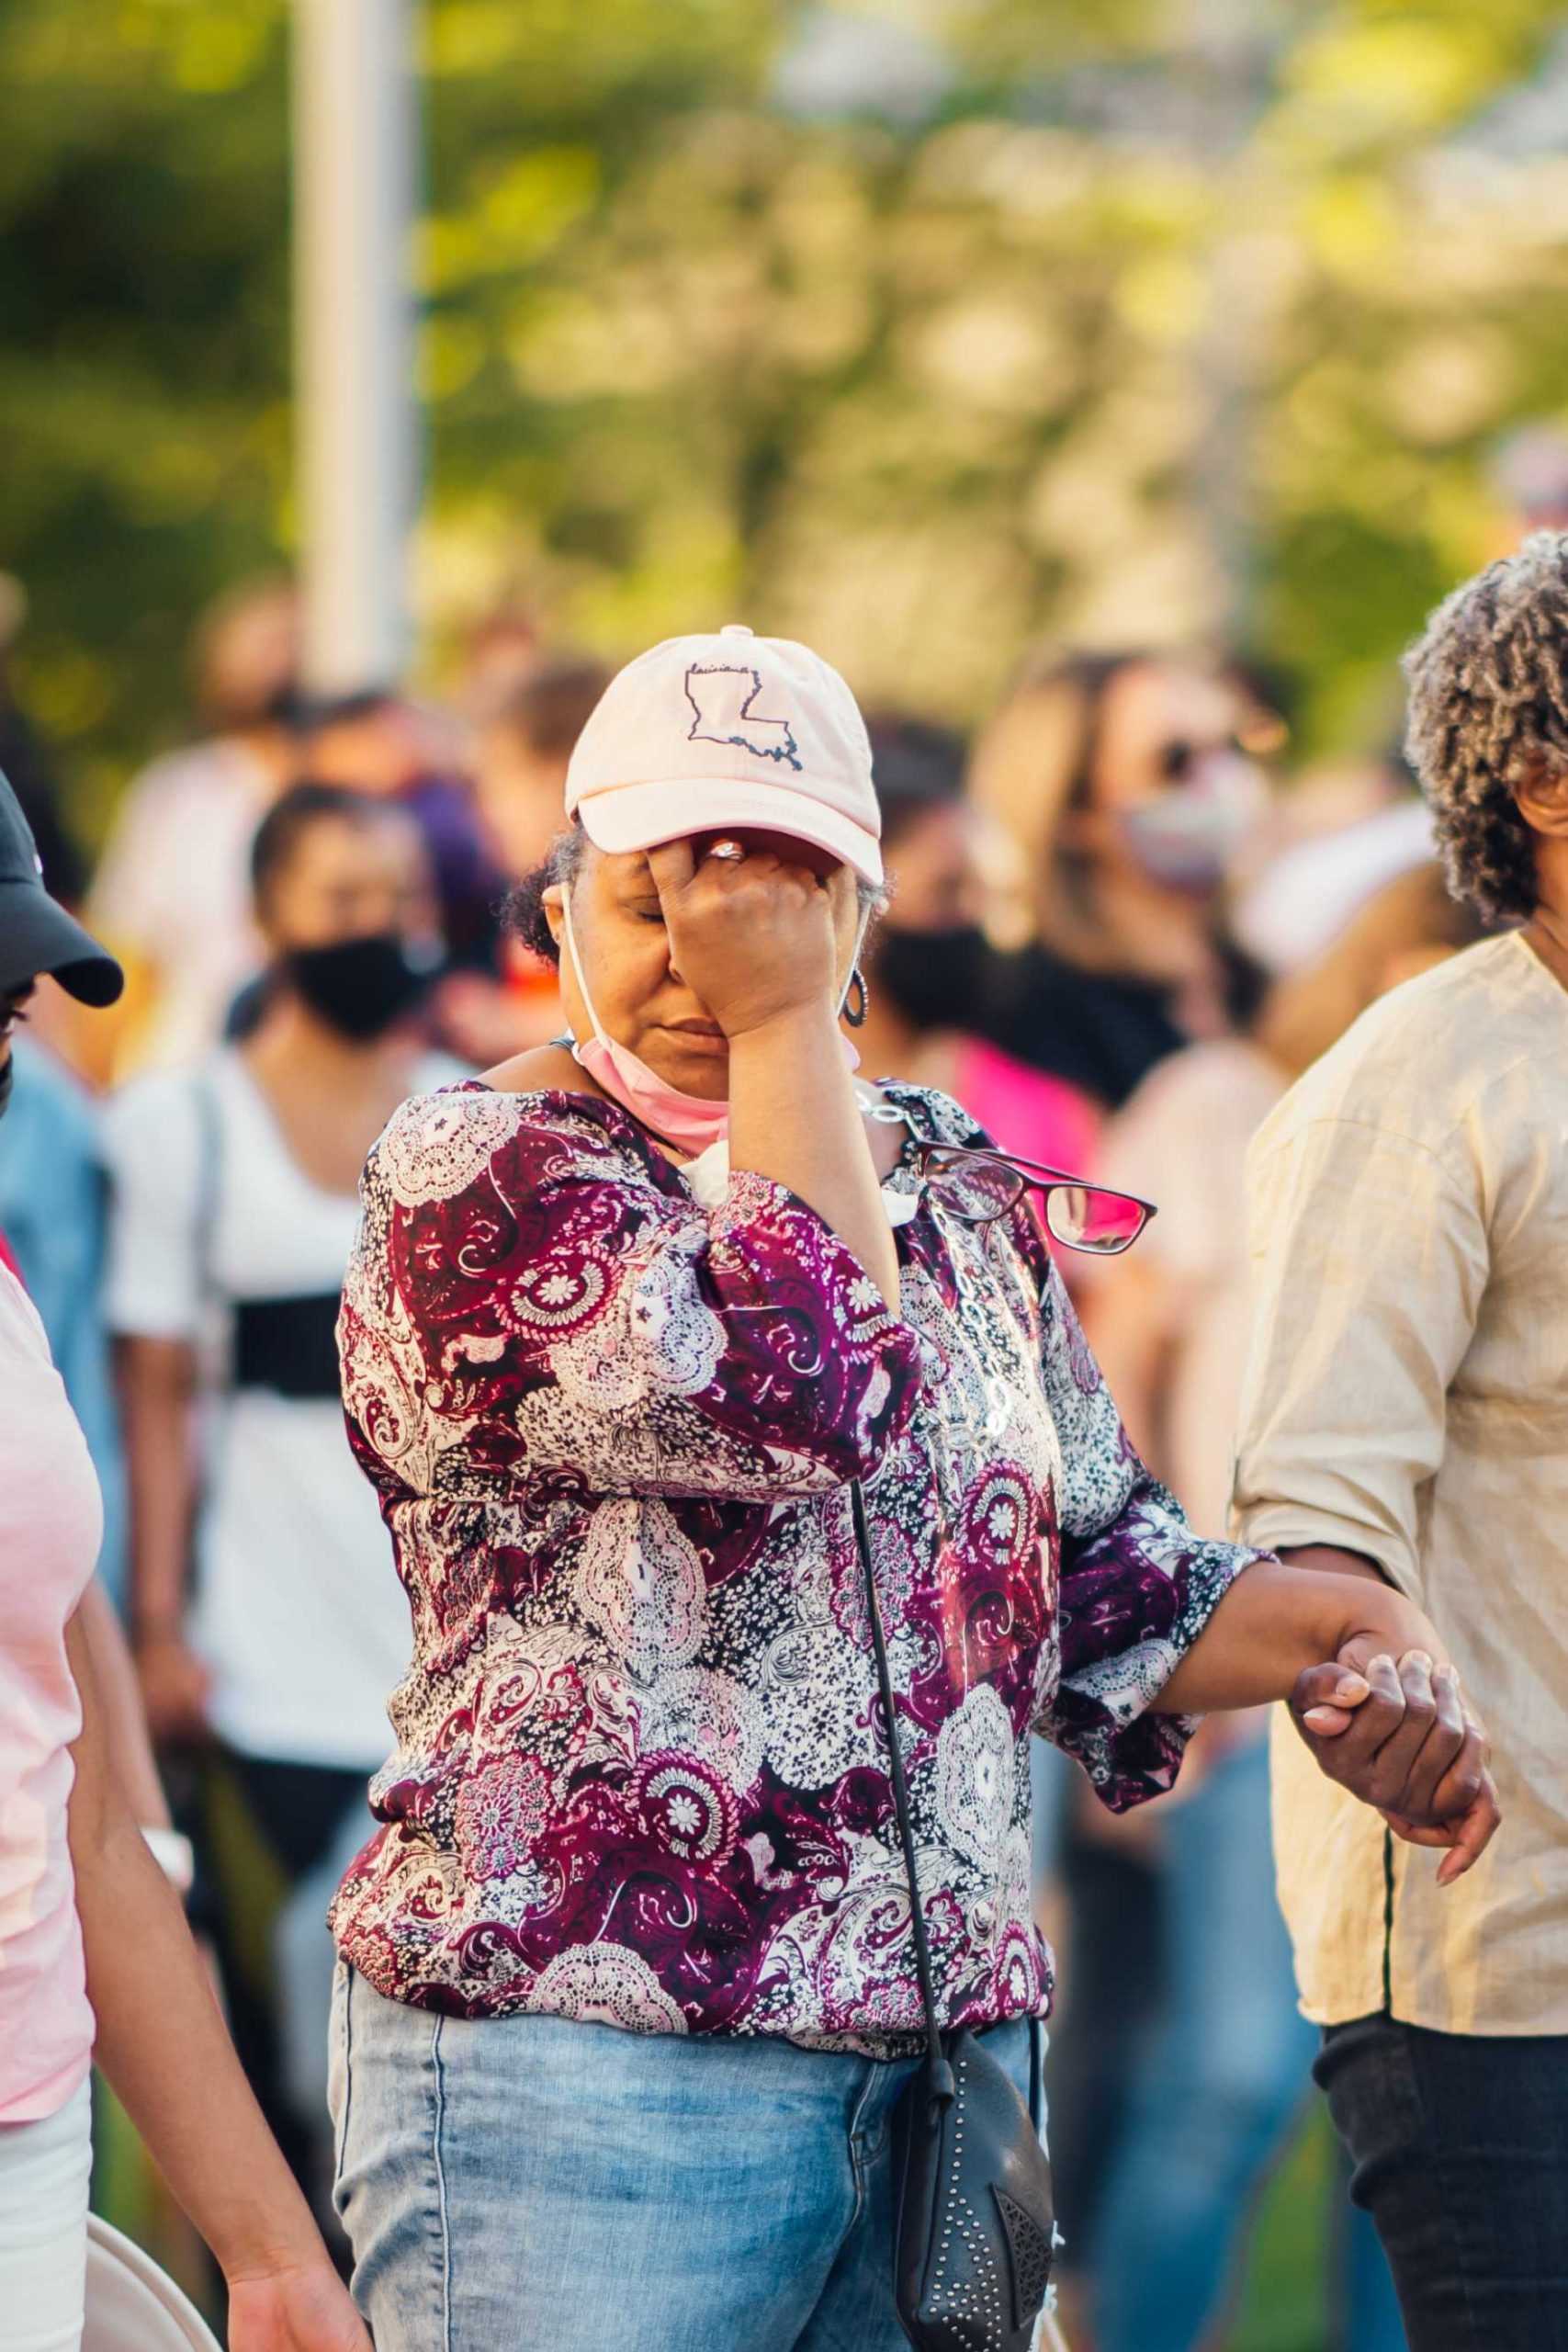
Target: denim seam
x=857 y=2161
x=439 y=2118
x=340 y=2163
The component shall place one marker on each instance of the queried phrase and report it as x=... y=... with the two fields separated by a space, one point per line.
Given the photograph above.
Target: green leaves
x=1133 y=333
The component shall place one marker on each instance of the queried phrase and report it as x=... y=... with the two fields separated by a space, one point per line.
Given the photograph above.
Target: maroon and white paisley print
x=642 y=1774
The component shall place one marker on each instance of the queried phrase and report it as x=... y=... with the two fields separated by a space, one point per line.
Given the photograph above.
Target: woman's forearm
x=134 y=1767
x=157 y=1381
x=161 y=2041
x=1277 y=1620
x=793 y=1116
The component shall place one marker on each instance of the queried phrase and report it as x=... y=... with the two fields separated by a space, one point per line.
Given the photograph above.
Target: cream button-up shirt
x=1407 y=1396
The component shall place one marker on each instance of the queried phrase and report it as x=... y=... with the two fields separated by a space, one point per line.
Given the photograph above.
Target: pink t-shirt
x=51 y=1525
x=1027 y=1110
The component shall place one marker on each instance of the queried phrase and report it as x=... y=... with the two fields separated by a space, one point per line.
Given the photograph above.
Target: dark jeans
x=1460 y=2145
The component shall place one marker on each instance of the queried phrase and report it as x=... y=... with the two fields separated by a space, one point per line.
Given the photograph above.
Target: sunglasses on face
x=1179 y=759
x=979 y=1185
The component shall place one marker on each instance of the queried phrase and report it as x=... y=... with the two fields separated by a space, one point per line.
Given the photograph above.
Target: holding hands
x=1399 y=1736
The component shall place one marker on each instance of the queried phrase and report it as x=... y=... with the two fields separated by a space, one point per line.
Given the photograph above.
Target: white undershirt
x=298 y=1614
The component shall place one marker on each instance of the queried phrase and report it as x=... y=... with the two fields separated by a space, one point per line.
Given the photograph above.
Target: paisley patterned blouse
x=640 y=1773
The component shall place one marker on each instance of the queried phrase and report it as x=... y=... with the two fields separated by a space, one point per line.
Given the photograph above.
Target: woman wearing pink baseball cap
x=757 y=1498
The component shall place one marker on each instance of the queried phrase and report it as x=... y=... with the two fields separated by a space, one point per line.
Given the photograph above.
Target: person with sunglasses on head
x=1405 y=1418
x=757 y=1496
x=95 y=1958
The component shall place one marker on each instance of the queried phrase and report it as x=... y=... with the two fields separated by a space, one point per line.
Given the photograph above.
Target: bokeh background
x=924 y=329
x=915 y=328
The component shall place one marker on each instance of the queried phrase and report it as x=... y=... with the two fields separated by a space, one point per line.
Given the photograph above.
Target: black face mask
x=935 y=978
x=360 y=987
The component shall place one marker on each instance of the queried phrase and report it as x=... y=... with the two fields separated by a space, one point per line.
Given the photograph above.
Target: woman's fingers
x=671 y=864
x=1354 y=1750
x=1326 y=1699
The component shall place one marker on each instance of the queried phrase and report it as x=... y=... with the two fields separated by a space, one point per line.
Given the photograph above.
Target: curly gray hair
x=1488 y=703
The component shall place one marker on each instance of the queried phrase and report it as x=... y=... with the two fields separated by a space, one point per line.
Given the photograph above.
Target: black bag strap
x=942 y=2083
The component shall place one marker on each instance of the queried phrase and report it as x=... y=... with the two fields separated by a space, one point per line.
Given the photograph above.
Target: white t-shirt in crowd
x=297 y=1613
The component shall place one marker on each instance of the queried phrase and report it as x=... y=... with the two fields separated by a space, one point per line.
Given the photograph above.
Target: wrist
x=1340 y=1605
x=262 y=2243
x=795 y=1026
x=150 y=1627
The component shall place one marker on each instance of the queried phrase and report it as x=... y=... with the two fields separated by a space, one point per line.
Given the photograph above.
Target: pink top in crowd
x=51 y=1525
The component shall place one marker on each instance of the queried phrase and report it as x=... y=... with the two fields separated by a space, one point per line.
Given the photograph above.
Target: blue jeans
x=1460 y=2148
x=1227 y=2078
x=538 y=2181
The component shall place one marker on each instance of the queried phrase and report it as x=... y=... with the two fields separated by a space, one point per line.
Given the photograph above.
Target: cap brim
x=38 y=936
x=639 y=815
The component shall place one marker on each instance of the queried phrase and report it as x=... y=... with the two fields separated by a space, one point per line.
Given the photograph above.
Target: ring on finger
x=730 y=852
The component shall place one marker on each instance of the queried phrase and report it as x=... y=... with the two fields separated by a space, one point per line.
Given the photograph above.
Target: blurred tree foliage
x=916 y=326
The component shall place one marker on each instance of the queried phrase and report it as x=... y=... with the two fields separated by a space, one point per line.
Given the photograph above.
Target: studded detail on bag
x=1030 y=2249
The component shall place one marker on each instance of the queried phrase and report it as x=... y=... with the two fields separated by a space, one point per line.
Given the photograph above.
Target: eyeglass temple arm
x=1041 y=1173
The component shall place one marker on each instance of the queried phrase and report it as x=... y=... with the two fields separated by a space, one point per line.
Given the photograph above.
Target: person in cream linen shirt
x=1405 y=1411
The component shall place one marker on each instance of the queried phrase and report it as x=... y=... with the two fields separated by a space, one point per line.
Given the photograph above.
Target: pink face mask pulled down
x=691 y=1122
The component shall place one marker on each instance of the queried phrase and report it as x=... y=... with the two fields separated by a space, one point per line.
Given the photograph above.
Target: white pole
x=354 y=435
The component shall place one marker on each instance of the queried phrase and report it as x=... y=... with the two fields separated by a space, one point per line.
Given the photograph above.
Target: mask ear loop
x=594 y=1020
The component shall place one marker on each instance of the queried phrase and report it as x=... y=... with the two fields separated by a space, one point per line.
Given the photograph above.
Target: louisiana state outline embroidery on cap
x=721 y=695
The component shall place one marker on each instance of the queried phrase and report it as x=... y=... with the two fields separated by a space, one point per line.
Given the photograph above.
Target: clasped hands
x=1398 y=1734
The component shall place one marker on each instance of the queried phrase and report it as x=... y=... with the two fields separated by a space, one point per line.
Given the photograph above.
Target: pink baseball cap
x=702 y=732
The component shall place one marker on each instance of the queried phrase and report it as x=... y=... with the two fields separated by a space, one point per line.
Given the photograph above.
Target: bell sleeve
x=1136 y=1585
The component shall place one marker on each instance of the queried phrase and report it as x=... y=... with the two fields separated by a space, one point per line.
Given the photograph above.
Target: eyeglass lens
x=1081 y=1216
x=974 y=1185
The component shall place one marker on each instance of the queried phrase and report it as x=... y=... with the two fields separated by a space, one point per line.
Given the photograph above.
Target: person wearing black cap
x=94 y=1953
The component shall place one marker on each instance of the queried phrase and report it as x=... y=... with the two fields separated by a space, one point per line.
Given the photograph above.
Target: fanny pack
x=974 y=2216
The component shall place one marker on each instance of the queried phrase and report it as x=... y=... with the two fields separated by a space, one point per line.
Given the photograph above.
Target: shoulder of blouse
x=437 y=1146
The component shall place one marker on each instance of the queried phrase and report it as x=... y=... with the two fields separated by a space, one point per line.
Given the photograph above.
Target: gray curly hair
x=1488 y=684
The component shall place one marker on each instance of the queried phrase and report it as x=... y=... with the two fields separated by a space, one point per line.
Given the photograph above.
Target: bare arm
x=162 y=2043
x=119 y=1696
x=157 y=1387
x=793 y=1116
x=1370 y=1689
x=1275 y=1623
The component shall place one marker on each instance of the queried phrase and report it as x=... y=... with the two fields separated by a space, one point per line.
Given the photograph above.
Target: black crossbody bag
x=974 y=2218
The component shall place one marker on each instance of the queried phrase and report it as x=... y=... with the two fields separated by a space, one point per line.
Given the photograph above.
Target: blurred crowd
x=1121 y=926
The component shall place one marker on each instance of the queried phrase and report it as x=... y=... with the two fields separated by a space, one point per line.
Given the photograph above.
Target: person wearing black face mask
x=235 y=1212
x=96 y=1962
x=929 y=965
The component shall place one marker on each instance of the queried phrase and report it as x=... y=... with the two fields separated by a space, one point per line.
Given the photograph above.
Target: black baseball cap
x=36 y=933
